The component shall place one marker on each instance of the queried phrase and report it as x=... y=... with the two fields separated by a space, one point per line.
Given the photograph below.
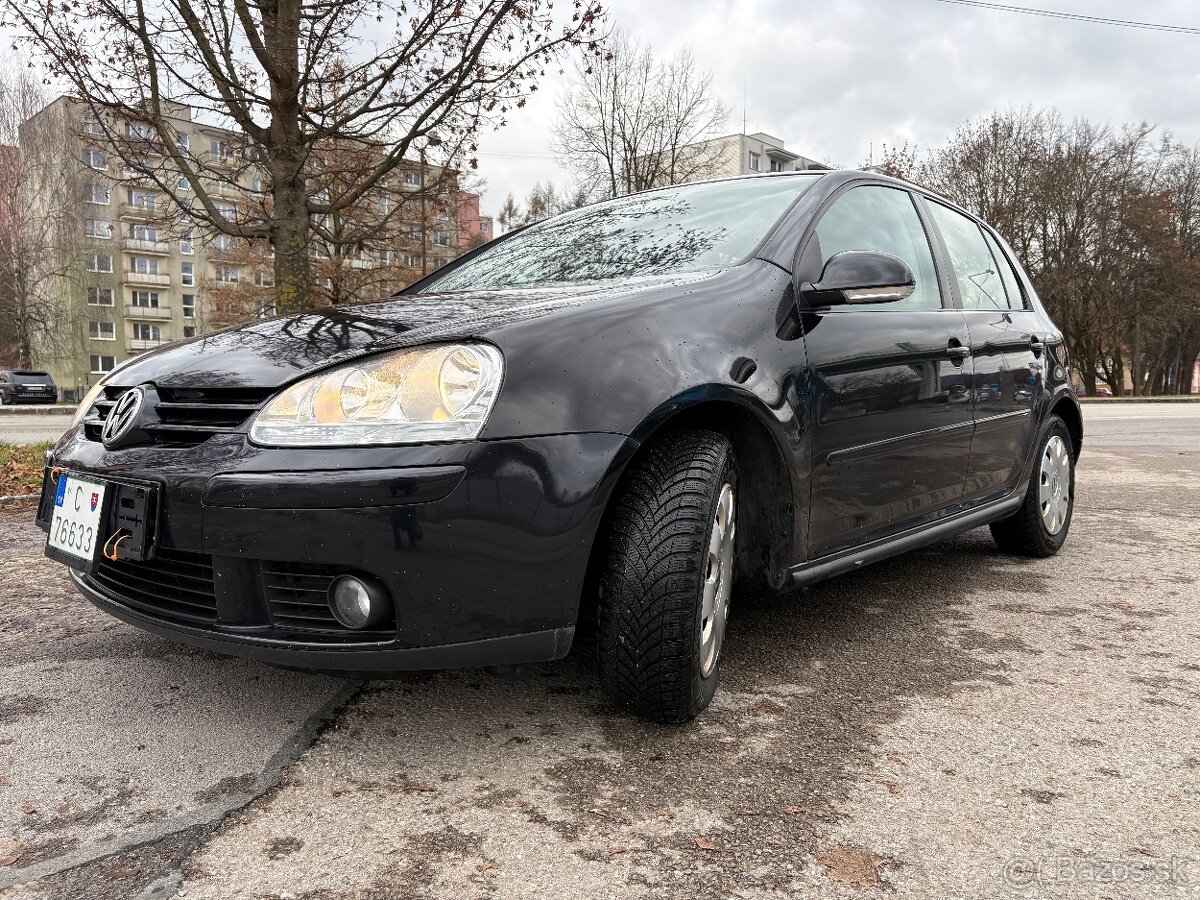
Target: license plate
x=77 y=523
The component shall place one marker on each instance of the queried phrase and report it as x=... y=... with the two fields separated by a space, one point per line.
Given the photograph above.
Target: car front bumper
x=482 y=546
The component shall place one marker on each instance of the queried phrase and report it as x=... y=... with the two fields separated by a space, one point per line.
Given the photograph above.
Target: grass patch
x=21 y=468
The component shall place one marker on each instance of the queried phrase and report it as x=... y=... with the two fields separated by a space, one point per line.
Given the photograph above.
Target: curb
x=14 y=410
x=17 y=498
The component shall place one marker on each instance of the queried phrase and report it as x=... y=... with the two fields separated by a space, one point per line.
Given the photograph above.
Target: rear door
x=891 y=407
x=1006 y=351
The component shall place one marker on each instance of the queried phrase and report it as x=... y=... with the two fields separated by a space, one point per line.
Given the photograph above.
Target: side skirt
x=827 y=567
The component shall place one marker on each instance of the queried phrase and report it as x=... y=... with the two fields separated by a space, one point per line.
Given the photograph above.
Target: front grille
x=297 y=597
x=186 y=416
x=176 y=583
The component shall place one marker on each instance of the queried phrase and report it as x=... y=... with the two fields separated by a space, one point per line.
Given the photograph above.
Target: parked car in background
x=22 y=386
x=621 y=414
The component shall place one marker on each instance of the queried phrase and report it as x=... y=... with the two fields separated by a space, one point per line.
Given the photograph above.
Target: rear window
x=32 y=378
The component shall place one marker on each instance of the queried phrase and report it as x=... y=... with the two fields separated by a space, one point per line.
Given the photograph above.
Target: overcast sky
x=834 y=77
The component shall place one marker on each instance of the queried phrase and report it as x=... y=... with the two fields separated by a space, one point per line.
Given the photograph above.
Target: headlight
x=88 y=400
x=441 y=392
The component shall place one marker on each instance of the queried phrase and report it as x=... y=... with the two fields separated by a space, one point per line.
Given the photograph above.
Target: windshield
x=688 y=228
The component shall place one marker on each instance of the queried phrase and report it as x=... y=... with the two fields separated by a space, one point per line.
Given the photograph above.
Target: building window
x=144 y=331
x=98 y=194
x=143 y=130
x=97 y=159
x=755 y=162
x=412 y=178
x=411 y=260
x=182 y=183
x=264 y=278
x=223 y=242
x=102 y=365
x=143 y=265
x=776 y=166
x=189 y=331
x=142 y=200
x=189 y=306
x=227 y=274
x=143 y=232
x=102 y=331
x=187 y=274
x=99 y=262
x=484 y=226
x=185 y=242
x=100 y=296
x=146 y=299
x=384 y=257
x=256 y=185
x=182 y=143
x=97 y=228
x=441 y=239
x=385 y=204
x=91 y=126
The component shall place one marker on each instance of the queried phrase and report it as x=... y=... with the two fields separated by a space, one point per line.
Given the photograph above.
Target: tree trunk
x=293 y=275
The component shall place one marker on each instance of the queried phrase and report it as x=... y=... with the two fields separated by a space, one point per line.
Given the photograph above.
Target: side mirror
x=861 y=276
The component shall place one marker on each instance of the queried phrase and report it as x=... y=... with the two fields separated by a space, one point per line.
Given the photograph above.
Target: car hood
x=272 y=352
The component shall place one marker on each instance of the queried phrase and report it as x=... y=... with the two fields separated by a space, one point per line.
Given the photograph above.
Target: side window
x=979 y=283
x=1012 y=286
x=884 y=220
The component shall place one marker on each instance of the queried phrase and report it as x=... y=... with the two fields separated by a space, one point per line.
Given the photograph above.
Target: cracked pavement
x=951 y=723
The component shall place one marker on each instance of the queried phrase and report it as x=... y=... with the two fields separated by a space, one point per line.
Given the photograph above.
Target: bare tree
x=288 y=78
x=42 y=253
x=632 y=122
x=543 y=201
x=1106 y=221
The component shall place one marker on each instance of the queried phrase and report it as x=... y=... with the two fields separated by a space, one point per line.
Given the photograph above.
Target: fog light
x=359 y=604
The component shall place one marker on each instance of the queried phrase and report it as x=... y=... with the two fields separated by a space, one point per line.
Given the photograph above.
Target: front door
x=891 y=407
x=1006 y=349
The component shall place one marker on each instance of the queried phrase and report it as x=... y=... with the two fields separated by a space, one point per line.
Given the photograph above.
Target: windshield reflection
x=675 y=230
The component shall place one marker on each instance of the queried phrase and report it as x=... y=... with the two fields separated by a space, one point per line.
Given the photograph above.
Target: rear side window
x=1008 y=276
x=975 y=270
x=883 y=220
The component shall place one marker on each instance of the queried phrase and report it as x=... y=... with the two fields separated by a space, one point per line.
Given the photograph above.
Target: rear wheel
x=668 y=577
x=1040 y=526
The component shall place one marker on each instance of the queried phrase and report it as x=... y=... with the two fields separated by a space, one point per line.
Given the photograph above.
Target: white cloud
x=834 y=77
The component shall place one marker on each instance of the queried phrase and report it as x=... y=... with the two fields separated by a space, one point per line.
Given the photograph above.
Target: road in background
x=1109 y=426
x=1146 y=427
x=32 y=428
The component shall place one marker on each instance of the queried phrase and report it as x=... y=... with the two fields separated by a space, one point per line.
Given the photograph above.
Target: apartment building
x=147 y=275
x=748 y=154
x=474 y=229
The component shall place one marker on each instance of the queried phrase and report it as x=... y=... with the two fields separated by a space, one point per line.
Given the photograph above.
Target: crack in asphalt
x=205 y=819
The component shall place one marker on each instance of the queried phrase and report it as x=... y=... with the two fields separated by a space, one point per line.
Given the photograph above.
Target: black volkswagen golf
x=635 y=412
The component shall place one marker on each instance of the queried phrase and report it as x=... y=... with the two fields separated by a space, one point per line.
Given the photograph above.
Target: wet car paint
x=591 y=372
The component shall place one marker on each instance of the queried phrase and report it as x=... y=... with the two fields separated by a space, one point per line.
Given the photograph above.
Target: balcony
x=133 y=311
x=137 y=344
x=137 y=245
x=137 y=211
x=147 y=278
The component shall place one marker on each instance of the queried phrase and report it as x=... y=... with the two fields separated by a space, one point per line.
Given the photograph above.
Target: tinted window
x=979 y=282
x=689 y=228
x=1008 y=277
x=883 y=220
x=31 y=378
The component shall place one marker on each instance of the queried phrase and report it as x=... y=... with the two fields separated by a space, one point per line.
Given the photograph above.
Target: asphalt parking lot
x=952 y=723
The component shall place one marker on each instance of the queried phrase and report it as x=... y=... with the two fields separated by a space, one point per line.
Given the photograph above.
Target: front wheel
x=667 y=577
x=1039 y=527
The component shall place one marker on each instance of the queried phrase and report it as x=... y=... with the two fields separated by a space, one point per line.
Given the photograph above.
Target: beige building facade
x=147 y=275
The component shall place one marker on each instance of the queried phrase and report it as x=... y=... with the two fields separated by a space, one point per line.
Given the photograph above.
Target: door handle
x=957 y=353
x=1037 y=345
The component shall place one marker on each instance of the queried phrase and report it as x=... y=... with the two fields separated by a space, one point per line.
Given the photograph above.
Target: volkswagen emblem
x=123 y=417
